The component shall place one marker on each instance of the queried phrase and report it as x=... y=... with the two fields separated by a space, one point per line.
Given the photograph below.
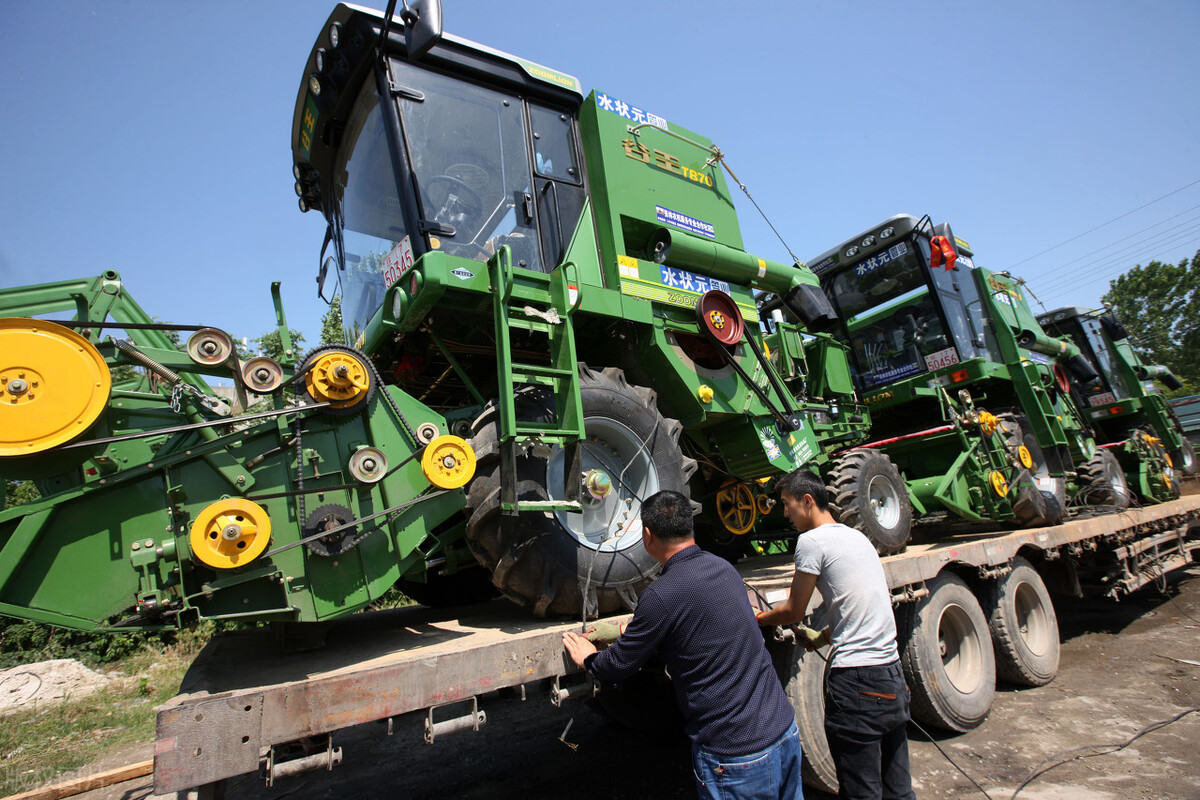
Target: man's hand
x=578 y=648
x=813 y=639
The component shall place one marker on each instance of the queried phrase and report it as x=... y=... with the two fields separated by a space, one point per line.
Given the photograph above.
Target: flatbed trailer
x=244 y=701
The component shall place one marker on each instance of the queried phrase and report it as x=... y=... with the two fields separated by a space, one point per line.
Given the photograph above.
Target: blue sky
x=153 y=137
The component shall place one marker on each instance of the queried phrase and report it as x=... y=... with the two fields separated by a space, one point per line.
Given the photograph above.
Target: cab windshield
x=890 y=316
x=468 y=150
x=367 y=210
x=1110 y=387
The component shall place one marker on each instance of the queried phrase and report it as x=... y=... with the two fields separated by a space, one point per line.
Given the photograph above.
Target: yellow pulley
x=1024 y=456
x=338 y=377
x=53 y=385
x=448 y=462
x=230 y=533
x=988 y=422
x=999 y=484
x=736 y=507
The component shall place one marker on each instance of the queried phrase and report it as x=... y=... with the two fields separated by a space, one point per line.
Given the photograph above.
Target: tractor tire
x=1053 y=506
x=1104 y=482
x=563 y=563
x=867 y=492
x=947 y=656
x=1024 y=626
x=803 y=677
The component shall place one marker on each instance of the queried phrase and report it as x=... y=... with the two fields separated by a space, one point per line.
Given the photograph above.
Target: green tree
x=269 y=344
x=332 y=331
x=1160 y=306
x=18 y=493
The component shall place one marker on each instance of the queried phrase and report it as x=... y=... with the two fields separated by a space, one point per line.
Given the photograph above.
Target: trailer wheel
x=1185 y=457
x=868 y=493
x=1023 y=625
x=1104 y=481
x=947 y=656
x=1031 y=513
x=803 y=677
x=553 y=560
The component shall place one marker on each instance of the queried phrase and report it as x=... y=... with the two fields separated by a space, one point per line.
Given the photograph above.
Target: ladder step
x=548 y=505
x=538 y=371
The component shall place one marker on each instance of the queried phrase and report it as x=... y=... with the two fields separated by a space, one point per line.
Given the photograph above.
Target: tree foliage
x=332 y=331
x=270 y=345
x=1160 y=306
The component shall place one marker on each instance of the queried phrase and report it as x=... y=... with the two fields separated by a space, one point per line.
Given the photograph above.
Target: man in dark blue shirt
x=697 y=616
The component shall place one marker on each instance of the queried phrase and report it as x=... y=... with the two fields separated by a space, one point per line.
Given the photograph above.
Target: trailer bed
x=243 y=695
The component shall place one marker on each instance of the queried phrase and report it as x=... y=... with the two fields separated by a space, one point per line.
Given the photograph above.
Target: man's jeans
x=866 y=717
x=769 y=774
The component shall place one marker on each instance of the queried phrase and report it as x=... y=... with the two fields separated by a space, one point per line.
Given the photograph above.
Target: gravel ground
x=1117 y=676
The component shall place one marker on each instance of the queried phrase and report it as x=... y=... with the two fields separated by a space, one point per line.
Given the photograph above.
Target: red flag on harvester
x=942 y=250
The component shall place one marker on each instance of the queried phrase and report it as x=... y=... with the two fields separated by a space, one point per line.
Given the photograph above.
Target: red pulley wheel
x=720 y=317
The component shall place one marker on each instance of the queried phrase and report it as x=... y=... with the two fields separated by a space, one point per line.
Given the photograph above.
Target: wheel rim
x=608 y=523
x=961 y=650
x=1032 y=620
x=885 y=502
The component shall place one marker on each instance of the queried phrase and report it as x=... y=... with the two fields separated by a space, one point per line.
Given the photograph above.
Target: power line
x=1122 y=257
x=1137 y=233
x=1101 y=225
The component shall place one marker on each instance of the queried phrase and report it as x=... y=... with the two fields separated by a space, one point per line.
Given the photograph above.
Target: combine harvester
x=553 y=316
x=1127 y=412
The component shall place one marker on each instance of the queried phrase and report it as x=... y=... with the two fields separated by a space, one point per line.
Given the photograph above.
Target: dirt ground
x=1117 y=676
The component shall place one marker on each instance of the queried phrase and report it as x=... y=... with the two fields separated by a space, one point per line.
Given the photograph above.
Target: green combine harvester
x=1127 y=412
x=970 y=398
x=552 y=316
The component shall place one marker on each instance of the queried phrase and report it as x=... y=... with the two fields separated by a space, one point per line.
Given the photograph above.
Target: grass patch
x=38 y=745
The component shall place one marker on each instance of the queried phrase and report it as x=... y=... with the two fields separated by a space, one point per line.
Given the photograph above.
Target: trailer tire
x=1104 y=481
x=867 y=492
x=549 y=560
x=1024 y=626
x=1185 y=457
x=1053 y=507
x=947 y=656
x=803 y=677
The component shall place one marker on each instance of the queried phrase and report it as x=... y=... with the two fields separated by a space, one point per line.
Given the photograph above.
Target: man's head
x=666 y=524
x=805 y=500
x=668 y=515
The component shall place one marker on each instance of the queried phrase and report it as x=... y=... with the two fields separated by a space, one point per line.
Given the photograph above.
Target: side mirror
x=327 y=265
x=423 y=26
x=1113 y=327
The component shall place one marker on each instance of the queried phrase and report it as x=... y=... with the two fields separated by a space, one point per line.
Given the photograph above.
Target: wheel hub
x=611 y=522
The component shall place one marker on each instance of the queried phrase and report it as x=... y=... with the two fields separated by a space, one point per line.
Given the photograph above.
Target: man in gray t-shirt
x=866 y=697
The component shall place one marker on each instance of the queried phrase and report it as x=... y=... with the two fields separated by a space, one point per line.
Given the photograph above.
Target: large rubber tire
x=803 y=677
x=946 y=652
x=1185 y=458
x=1103 y=481
x=867 y=492
x=1052 y=508
x=552 y=561
x=1024 y=626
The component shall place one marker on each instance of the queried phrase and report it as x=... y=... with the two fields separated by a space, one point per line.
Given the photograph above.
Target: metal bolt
x=232 y=532
x=369 y=465
x=262 y=375
x=448 y=462
x=241 y=479
x=209 y=348
x=18 y=386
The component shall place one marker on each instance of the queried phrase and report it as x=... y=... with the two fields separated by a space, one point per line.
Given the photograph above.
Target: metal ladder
x=541 y=303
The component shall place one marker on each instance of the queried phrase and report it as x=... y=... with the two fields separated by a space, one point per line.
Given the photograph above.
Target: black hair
x=668 y=515
x=803 y=482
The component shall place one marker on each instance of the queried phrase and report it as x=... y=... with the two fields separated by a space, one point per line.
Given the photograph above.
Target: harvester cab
x=1129 y=415
x=935 y=338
